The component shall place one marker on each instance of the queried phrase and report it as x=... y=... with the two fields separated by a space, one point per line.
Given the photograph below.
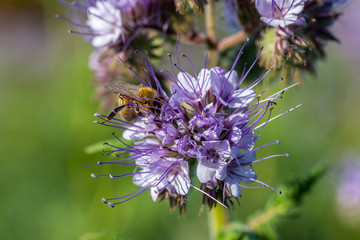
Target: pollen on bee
x=146 y=92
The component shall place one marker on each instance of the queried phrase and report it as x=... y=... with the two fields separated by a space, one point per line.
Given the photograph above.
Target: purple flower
x=239 y=171
x=348 y=192
x=301 y=30
x=163 y=174
x=232 y=22
x=205 y=129
x=104 y=20
x=115 y=23
x=212 y=158
x=335 y=1
x=279 y=12
x=191 y=89
x=225 y=88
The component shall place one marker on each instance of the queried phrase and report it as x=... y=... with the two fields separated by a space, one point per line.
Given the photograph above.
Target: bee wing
x=123 y=88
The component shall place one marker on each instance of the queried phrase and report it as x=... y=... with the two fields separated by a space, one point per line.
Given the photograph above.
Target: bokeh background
x=47 y=110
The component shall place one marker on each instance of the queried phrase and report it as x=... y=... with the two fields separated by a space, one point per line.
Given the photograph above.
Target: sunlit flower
x=206 y=128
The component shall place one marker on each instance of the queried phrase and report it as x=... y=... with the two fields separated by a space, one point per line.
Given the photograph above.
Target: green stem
x=218 y=219
x=231 y=40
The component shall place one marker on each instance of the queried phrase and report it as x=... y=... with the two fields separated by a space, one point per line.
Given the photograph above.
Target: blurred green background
x=47 y=110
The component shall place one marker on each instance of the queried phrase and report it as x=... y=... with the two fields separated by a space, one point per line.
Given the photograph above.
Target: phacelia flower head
x=297 y=30
x=115 y=23
x=206 y=127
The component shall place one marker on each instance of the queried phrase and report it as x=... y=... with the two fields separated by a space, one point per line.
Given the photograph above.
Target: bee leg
x=115 y=111
x=157 y=115
x=157 y=110
x=138 y=110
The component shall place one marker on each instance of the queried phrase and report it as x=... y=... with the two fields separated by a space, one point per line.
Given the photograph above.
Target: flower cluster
x=300 y=28
x=207 y=126
x=115 y=23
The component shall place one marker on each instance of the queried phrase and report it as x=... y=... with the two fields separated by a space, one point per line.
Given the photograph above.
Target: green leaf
x=235 y=231
x=284 y=205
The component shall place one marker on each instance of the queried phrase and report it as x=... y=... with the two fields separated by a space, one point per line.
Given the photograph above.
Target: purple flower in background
x=335 y=1
x=115 y=23
x=279 y=13
x=231 y=17
x=346 y=29
x=206 y=129
x=118 y=27
x=104 y=21
x=299 y=31
x=348 y=192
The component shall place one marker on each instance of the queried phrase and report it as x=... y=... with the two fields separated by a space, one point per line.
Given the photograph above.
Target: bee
x=134 y=100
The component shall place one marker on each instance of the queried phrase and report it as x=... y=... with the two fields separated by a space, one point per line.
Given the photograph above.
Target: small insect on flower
x=133 y=100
